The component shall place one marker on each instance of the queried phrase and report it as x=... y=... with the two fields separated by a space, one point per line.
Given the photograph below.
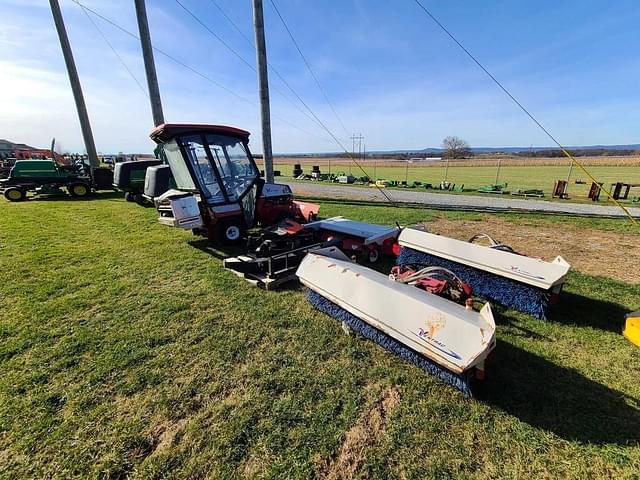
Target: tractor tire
x=129 y=197
x=140 y=200
x=371 y=256
x=79 y=189
x=229 y=231
x=14 y=194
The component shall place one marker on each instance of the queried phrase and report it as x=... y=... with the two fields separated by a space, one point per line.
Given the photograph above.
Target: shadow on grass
x=101 y=195
x=217 y=251
x=582 y=311
x=559 y=399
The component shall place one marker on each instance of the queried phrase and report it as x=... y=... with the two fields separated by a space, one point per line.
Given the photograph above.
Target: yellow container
x=632 y=328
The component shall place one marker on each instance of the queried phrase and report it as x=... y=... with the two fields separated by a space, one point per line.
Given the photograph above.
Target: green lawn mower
x=129 y=177
x=47 y=177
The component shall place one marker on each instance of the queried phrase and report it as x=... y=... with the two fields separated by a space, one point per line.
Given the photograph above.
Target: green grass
x=517 y=177
x=126 y=350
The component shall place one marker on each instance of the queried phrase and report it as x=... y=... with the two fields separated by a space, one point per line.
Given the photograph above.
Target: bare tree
x=455 y=147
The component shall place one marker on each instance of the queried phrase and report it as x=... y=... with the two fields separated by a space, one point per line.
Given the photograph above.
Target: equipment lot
x=126 y=349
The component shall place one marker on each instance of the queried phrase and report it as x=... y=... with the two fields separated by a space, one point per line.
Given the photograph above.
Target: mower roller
x=219 y=193
x=447 y=340
x=495 y=272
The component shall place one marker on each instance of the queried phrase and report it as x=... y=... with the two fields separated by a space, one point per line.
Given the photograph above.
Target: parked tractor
x=50 y=178
x=219 y=193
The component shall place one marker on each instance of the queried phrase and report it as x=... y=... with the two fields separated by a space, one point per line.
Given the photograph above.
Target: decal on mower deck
x=516 y=269
x=424 y=335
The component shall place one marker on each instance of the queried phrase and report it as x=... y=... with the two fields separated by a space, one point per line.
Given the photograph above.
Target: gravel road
x=487 y=202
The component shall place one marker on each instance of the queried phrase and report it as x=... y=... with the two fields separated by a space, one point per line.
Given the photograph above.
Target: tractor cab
x=213 y=168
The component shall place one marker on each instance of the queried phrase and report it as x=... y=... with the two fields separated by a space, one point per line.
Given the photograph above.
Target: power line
x=304 y=59
x=251 y=43
x=503 y=88
x=218 y=84
x=315 y=117
x=115 y=52
x=242 y=59
x=230 y=20
x=226 y=45
x=271 y=67
x=191 y=69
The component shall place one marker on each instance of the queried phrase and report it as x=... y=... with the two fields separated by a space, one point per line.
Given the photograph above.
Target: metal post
x=570 y=169
x=263 y=88
x=149 y=63
x=83 y=116
x=406 y=172
x=566 y=187
x=498 y=171
x=446 y=170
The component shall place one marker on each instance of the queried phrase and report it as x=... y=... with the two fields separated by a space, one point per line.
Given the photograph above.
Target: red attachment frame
x=439 y=282
x=271 y=210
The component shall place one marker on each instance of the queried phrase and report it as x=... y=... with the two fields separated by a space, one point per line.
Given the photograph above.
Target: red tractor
x=219 y=193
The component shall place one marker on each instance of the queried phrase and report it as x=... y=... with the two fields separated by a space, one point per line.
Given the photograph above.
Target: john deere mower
x=49 y=178
x=219 y=193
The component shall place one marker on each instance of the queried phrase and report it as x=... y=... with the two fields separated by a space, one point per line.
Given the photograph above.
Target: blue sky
x=390 y=72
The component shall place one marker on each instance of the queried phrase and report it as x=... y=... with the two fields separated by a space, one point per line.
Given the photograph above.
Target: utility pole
x=359 y=138
x=353 y=151
x=149 y=63
x=263 y=88
x=83 y=116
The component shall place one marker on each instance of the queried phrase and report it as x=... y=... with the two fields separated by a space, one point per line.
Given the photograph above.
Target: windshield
x=236 y=169
x=216 y=165
x=178 y=167
x=202 y=169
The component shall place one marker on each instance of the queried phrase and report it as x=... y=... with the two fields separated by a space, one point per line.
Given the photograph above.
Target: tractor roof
x=165 y=132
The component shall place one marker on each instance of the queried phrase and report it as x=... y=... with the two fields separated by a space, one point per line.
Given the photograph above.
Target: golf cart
x=219 y=193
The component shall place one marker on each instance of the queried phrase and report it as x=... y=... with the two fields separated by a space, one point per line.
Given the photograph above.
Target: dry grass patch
x=588 y=250
x=164 y=435
x=362 y=436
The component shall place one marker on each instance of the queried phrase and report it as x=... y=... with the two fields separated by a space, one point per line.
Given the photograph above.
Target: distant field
x=540 y=173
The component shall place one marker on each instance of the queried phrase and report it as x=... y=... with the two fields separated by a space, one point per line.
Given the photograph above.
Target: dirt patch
x=363 y=435
x=590 y=251
x=252 y=467
x=164 y=435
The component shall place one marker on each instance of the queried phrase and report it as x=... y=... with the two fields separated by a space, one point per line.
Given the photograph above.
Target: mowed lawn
x=127 y=351
x=517 y=177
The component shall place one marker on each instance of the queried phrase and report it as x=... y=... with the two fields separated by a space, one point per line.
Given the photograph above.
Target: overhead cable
x=115 y=52
x=529 y=114
x=308 y=65
x=192 y=69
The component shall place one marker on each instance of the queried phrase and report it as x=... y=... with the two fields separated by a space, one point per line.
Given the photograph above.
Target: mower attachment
x=448 y=334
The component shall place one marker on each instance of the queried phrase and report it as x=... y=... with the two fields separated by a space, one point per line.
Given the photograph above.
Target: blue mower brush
x=445 y=339
x=495 y=272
